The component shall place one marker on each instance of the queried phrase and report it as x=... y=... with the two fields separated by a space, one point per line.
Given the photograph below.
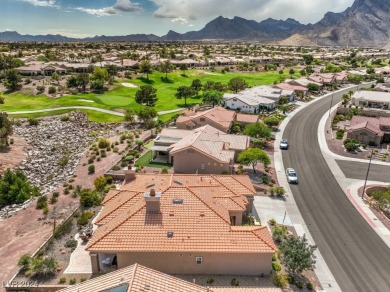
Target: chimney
x=129 y=175
x=152 y=199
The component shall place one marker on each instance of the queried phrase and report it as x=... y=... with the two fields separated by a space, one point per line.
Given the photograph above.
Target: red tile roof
x=200 y=224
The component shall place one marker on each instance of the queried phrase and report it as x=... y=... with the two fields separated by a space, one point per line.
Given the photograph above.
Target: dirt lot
x=12 y=156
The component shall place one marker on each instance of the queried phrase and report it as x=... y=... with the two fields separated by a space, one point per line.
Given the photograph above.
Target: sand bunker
x=131 y=85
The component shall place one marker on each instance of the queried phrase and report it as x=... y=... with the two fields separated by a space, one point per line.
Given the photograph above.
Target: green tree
x=112 y=70
x=211 y=85
x=258 y=130
x=100 y=183
x=298 y=255
x=292 y=72
x=55 y=77
x=313 y=87
x=100 y=74
x=72 y=81
x=15 y=188
x=89 y=198
x=253 y=156
x=271 y=121
x=213 y=97
x=196 y=85
x=146 y=67
x=308 y=59
x=237 y=84
x=166 y=67
x=2 y=100
x=146 y=114
x=6 y=129
x=184 y=92
x=146 y=95
x=12 y=79
x=184 y=68
x=130 y=116
x=83 y=81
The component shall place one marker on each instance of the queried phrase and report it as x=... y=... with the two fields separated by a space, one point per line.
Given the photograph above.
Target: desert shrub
x=280 y=192
x=39 y=266
x=24 y=261
x=265 y=179
x=210 y=281
x=299 y=284
x=309 y=286
x=71 y=244
x=91 y=169
x=279 y=233
x=40 y=88
x=65 y=118
x=272 y=222
x=274 y=257
x=33 y=121
x=41 y=202
x=164 y=170
x=235 y=282
x=89 y=198
x=280 y=280
x=103 y=143
x=340 y=134
x=52 y=90
x=84 y=218
x=62 y=280
x=83 y=279
x=109 y=180
x=276 y=266
x=72 y=281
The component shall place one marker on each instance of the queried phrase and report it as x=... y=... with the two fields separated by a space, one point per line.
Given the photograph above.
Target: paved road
x=356 y=255
x=358 y=170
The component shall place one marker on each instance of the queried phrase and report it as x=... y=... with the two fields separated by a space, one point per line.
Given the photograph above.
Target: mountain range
x=365 y=23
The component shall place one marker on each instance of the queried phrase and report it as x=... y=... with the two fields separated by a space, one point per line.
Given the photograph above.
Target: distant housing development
x=181 y=224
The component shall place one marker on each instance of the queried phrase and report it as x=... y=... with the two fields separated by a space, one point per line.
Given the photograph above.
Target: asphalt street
x=358 y=170
x=356 y=255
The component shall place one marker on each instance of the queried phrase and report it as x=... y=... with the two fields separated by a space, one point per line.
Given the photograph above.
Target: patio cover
x=160 y=148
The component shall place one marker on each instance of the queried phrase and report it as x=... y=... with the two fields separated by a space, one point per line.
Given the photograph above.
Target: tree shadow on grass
x=184 y=75
x=166 y=80
x=144 y=80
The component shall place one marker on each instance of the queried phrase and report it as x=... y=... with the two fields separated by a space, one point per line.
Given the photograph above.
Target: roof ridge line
x=262 y=239
x=212 y=209
x=229 y=187
x=133 y=277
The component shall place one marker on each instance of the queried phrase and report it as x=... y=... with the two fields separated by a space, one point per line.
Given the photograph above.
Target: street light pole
x=331 y=103
x=368 y=170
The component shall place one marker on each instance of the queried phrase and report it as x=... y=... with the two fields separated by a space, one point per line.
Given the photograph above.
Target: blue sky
x=81 y=18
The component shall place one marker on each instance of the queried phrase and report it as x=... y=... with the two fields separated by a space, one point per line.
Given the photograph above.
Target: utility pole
x=368 y=170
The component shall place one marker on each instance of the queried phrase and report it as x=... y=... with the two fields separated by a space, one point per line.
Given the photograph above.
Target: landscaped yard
x=144 y=160
x=122 y=97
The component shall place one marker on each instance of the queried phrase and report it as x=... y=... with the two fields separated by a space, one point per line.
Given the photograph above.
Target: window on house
x=199 y=260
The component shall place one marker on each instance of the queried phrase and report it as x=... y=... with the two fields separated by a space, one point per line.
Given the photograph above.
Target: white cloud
x=42 y=3
x=117 y=8
x=180 y=20
x=302 y=10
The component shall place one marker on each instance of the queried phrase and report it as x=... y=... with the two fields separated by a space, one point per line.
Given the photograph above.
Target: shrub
x=210 y=281
x=100 y=182
x=62 y=280
x=109 y=180
x=299 y=284
x=280 y=280
x=103 y=153
x=45 y=210
x=33 y=121
x=291 y=279
x=265 y=179
x=83 y=219
x=24 y=261
x=63 y=161
x=72 y=244
x=52 y=90
x=164 y=170
x=64 y=228
x=279 y=233
x=340 y=134
x=42 y=202
x=235 y=282
x=89 y=198
x=276 y=266
x=65 y=118
x=42 y=266
x=103 y=143
x=309 y=286
x=272 y=222
x=72 y=281
x=274 y=257
x=66 y=191
x=83 y=279
x=280 y=192
x=40 y=88
x=53 y=200
x=91 y=169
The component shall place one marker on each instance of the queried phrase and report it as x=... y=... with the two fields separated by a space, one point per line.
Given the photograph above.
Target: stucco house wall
x=212 y=263
x=237 y=104
x=193 y=161
x=364 y=136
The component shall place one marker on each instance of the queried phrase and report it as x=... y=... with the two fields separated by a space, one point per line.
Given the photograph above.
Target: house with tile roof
x=369 y=129
x=137 y=278
x=181 y=224
x=203 y=150
x=371 y=99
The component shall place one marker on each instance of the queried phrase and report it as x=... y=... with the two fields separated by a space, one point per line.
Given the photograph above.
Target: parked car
x=292 y=177
x=283 y=144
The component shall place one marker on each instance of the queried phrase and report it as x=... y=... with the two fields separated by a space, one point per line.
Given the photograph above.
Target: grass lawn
x=144 y=160
x=122 y=97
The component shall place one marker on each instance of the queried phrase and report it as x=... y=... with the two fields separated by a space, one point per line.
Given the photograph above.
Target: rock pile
x=56 y=148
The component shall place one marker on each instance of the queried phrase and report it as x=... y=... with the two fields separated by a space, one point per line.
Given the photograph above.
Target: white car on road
x=292 y=177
